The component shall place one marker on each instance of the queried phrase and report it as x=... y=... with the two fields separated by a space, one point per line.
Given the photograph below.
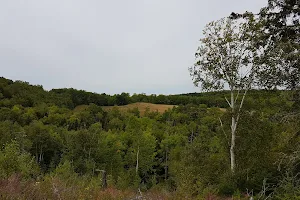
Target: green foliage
x=14 y=161
x=64 y=171
x=58 y=141
x=184 y=149
x=276 y=31
x=288 y=188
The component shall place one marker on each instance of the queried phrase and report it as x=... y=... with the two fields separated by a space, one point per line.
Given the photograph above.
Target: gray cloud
x=107 y=46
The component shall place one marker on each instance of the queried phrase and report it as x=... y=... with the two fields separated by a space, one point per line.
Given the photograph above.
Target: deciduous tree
x=226 y=59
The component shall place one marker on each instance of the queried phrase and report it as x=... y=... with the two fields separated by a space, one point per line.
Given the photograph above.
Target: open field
x=161 y=108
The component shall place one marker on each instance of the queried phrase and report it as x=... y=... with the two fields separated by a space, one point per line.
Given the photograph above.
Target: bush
x=13 y=160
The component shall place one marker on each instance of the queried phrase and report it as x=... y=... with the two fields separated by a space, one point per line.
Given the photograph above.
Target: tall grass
x=57 y=189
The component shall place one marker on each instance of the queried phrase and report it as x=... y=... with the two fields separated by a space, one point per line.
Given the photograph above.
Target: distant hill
x=27 y=95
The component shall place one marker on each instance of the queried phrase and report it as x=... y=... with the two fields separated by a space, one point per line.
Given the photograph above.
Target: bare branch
x=224 y=131
x=228 y=102
x=240 y=107
x=237 y=96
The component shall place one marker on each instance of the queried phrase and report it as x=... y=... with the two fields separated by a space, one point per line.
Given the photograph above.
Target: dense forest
x=26 y=95
x=237 y=139
x=185 y=149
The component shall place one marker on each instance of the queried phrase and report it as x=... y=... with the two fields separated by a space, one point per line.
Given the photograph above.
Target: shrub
x=13 y=160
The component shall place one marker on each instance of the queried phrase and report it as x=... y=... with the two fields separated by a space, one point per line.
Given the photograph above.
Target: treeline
x=24 y=94
x=184 y=150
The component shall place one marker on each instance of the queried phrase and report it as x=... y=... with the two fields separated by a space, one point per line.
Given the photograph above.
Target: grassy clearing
x=161 y=108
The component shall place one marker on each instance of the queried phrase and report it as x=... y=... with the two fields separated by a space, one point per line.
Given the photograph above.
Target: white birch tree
x=225 y=59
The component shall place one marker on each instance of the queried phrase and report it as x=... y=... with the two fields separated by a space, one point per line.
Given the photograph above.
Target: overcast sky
x=112 y=46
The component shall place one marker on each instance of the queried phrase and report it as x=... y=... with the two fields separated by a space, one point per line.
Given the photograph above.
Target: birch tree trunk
x=226 y=56
x=235 y=116
x=233 y=135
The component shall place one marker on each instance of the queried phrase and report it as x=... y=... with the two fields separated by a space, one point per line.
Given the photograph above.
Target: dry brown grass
x=54 y=188
x=223 y=109
x=161 y=108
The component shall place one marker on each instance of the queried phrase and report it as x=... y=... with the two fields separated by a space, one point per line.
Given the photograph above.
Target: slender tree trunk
x=192 y=137
x=89 y=153
x=136 y=171
x=233 y=135
x=36 y=154
x=166 y=166
x=137 y=161
x=104 y=180
x=41 y=152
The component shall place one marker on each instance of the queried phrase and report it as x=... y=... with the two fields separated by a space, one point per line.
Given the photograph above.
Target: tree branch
x=228 y=102
x=240 y=107
x=224 y=131
x=237 y=96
